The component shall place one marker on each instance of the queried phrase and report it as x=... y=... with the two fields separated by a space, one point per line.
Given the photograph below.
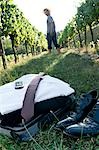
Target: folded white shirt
x=12 y=99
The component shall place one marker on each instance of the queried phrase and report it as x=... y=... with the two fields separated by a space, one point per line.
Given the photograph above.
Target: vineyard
x=19 y=31
x=23 y=50
x=87 y=18
x=25 y=38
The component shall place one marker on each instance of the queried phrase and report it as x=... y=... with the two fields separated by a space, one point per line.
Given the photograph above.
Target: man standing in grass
x=51 y=32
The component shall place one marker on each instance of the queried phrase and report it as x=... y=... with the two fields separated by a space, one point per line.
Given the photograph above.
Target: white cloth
x=11 y=99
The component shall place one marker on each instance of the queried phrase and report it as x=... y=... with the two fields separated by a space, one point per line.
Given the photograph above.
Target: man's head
x=46 y=12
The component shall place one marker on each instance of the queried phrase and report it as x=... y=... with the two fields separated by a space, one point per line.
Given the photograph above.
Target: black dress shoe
x=89 y=127
x=86 y=104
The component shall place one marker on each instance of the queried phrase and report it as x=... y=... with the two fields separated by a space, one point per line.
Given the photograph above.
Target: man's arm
x=51 y=25
x=52 y=28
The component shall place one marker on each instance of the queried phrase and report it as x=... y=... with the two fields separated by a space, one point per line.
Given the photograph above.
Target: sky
x=61 y=10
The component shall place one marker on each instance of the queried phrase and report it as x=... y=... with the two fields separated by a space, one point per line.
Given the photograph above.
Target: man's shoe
x=89 y=127
x=86 y=104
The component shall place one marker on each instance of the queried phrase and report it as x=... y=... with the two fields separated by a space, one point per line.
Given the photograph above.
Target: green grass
x=81 y=71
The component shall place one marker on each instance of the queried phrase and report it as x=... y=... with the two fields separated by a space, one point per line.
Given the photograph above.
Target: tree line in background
x=14 y=27
x=87 y=18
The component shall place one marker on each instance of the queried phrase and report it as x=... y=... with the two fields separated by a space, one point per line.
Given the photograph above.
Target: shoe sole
x=76 y=137
x=67 y=134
